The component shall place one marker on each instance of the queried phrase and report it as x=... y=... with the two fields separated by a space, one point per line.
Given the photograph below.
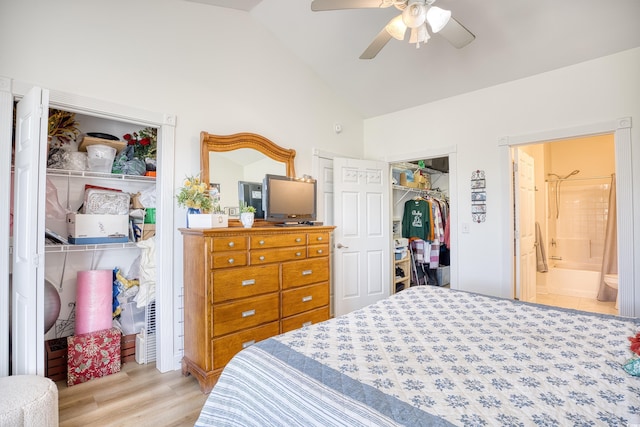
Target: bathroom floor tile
x=578 y=303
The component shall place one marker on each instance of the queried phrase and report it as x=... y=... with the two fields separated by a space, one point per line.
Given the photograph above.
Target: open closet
x=52 y=185
x=420 y=223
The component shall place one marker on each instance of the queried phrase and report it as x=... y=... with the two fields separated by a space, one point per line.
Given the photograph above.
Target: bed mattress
x=434 y=356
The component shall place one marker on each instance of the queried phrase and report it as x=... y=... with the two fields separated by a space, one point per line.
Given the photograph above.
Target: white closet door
x=362 y=240
x=27 y=330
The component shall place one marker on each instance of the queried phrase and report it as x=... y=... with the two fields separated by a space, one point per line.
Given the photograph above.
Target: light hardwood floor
x=138 y=395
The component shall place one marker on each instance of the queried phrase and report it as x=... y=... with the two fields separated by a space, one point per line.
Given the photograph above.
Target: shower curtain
x=610 y=257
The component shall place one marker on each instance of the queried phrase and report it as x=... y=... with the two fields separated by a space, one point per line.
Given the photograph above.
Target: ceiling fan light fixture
x=414 y=15
x=419 y=35
x=396 y=28
x=438 y=18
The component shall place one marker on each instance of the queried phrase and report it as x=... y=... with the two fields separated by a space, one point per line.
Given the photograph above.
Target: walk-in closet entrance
x=421 y=223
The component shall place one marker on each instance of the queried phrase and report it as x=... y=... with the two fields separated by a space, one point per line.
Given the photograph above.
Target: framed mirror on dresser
x=234 y=166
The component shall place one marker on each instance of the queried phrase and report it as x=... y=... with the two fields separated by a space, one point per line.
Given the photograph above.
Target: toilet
x=612 y=281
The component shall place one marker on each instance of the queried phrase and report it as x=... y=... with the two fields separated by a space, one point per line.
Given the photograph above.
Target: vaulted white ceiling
x=514 y=39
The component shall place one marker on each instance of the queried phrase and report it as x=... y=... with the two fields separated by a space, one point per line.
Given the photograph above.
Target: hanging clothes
x=415 y=220
x=436 y=234
x=419 y=249
x=447 y=233
x=424 y=223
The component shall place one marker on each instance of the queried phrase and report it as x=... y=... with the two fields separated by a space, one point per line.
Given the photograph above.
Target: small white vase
x=246 y=218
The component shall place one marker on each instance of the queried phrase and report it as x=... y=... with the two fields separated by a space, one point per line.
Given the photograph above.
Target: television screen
x=289 y=200
x=251 y=194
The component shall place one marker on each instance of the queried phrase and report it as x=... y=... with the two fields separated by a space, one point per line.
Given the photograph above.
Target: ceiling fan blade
x=376 y=45
x=319 y=5
x=456 y=34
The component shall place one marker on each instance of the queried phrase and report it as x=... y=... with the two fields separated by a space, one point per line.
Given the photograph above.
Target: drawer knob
x=231 y=244
x=261 y=242
x=248 y=282
x=307 y=272
x=298 y=253
x=231 y=260
x=248 y=343
x=307 y=298
x=309 y=323
x=319 y=251
x=261 y=258
x=298 y=239
x=319 y=238
x=248 y=313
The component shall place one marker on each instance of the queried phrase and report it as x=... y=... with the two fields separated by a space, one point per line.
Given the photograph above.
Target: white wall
x=597 y=91
x=216 y=69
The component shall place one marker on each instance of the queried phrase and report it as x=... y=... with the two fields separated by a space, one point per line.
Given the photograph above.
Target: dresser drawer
x=229 y=259
x=315 y=238
x=243 y=314
x=305 y=319
x=221 y=244
x=226 y=347
x=234 y=283
x=265 y=256
x=305 y=272
x=298 y=300
x=278 y=240
x=318 y=250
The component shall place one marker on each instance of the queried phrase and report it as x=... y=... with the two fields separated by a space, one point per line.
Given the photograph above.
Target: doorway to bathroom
x=566 y=190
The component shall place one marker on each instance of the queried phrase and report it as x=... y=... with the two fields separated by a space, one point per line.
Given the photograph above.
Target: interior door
x=27 y=326
x=524 y=183
x=361 y=238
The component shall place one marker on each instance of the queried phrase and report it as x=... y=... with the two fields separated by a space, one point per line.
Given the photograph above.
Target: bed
x=431 y=356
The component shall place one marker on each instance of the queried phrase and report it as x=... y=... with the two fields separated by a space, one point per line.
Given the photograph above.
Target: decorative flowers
x=194 y=194
x=62 y=126
x=635 y=344
x=144 y=142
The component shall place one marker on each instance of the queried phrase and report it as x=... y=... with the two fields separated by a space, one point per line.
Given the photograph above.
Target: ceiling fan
x=415 y=15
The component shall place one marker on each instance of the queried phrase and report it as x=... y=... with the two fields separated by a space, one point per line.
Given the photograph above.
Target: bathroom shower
x=558 y=181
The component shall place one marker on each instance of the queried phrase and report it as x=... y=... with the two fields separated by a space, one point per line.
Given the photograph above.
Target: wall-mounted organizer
x=478 y=196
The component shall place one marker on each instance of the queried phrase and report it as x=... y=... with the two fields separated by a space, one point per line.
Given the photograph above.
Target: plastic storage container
x=100 y=158
x=131 y=318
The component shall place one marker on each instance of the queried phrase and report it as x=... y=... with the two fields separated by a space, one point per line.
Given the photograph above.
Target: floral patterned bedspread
x=435 y=356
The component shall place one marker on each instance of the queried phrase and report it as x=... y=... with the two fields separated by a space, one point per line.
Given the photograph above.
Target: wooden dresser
x=243 y=285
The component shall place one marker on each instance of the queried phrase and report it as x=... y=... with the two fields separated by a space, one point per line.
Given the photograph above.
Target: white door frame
x=6 y=110
x=629 y=298
x=168 y=352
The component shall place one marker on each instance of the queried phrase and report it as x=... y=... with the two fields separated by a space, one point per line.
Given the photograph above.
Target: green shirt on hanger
x=415 y=220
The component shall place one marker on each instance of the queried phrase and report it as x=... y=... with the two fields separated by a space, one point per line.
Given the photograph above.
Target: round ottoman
x=28 y=400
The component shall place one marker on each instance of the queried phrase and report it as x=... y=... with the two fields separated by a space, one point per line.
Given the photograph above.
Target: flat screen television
x=251 y=194
x=289 y=201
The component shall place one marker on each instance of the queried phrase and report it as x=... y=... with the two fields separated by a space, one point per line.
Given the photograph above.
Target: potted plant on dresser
x=247 y=215
x=195 y=197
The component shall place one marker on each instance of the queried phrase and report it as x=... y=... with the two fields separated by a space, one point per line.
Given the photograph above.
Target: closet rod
x=420 y=191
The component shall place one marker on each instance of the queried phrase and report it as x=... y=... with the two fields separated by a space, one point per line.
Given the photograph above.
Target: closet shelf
x=50 y=248
x=413 y=167
x=99 y=175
